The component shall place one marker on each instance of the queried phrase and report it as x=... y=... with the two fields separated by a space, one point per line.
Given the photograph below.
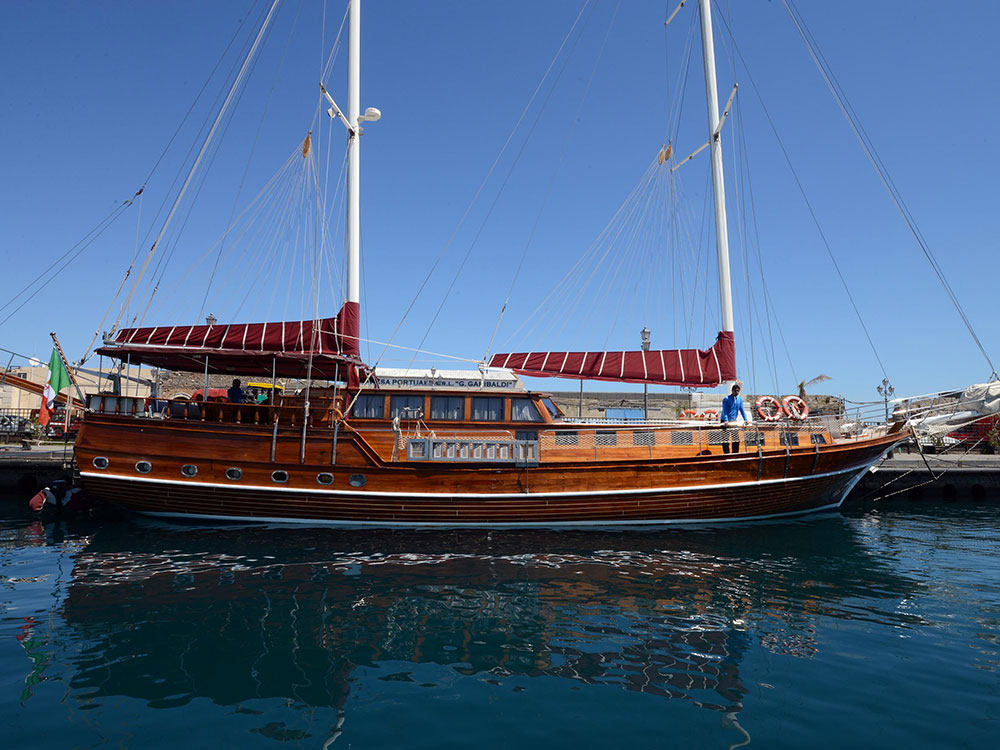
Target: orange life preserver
x=689 y=414
x=769 y=408
x=794 y=407
x=709 y=415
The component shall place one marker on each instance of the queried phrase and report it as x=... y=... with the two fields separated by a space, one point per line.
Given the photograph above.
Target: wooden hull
x=606 y=493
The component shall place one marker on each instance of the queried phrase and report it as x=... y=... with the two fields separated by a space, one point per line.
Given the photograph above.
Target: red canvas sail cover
x=688 y=367
x=246 y=348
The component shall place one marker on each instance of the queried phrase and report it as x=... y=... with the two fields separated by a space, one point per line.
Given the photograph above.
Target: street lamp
x=644 y=333
x=211 y=320
x=885 y=390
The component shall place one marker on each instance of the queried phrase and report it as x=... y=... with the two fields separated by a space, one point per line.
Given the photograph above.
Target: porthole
x=279 y=476
x=189 y=470
x=234 y=474
x=143 y=467
x=324 y=478
x=100 y=462
x=358 y=480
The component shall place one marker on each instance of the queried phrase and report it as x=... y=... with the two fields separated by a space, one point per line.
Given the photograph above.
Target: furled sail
x=688 y=367
x=284 y=348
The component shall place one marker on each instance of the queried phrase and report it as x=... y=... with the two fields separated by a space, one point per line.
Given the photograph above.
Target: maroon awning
x=687 y=367
x=246 y=348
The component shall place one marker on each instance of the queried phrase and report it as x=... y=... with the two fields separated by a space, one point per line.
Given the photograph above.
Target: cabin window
x=234 y=474
x=487 y=409
x=357 y=480
x=551 y=408
x=324 y=478
x=279 y=476
x=605 y=437
x=566 y=438
x=644 y=437
x=189 y=470
x=754 y=438
x=143 y=467
x=789 y=438
x=100 y=462
x=818 y=439
x=369 y=406
x=524 y=410
x=447 y=407
x=406 y=407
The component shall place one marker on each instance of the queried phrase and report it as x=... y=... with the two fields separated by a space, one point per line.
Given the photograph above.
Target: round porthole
x=324 y=478
x=234 y=474
x=100 y=462
x=143 y=467
x=279 y=476
x=358 y=480
x=189 y=470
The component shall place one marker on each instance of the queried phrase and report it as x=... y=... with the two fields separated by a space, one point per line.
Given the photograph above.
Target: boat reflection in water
x=239 y=614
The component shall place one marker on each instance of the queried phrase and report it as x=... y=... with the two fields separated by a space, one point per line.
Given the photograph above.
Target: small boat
x=359 y=446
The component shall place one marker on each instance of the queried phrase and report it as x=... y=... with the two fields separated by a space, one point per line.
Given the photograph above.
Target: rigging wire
x=552 y=179
x=805 y=198
x=194 y=167
x=503 y=184
x=489 y=174
x=253 y=150
x=869 y=148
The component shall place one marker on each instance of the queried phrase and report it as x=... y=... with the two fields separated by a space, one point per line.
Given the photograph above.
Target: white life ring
x=795 y=408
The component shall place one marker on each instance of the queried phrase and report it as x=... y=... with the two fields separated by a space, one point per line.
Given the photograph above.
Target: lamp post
x=885 y=390
x=644 y=333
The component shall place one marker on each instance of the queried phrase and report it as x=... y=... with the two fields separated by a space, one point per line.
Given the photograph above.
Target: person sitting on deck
x=236 y=393
x=732 y=406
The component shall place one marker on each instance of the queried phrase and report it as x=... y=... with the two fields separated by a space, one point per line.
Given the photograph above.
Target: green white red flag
x=58 y=379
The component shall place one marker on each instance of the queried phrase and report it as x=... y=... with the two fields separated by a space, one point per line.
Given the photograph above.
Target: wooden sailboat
x=457 y=451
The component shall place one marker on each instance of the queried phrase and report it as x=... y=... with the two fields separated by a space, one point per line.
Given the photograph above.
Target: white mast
x=718 y=185
x=354 y=154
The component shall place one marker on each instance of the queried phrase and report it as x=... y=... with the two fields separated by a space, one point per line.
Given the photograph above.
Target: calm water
x=878 y=627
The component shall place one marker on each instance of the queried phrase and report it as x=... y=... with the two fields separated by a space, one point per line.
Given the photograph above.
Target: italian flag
x=58 y=379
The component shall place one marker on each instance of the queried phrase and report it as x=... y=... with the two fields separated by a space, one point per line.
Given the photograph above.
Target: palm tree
x=804 y=383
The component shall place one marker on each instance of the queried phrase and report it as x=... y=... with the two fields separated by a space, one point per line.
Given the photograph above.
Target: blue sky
x=95 y=91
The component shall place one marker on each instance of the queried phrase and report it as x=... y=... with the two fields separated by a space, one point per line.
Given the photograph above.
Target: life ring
x=769 y=408
x=709 y=415
x=795 y=408
x=689 y=414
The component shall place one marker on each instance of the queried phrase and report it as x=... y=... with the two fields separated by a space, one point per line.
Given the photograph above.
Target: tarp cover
x=246 y=348
x=688 y=367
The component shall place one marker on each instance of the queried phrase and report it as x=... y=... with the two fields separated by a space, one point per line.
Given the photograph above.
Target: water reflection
x=168 y=614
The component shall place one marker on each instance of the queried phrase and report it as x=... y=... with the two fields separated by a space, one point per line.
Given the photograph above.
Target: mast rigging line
x=253 y=150
x=163 y=153
x=869 y=148
x=482 y=184
x=802 y=192
x=555 y=173
x=80 y=246
x=208 y=140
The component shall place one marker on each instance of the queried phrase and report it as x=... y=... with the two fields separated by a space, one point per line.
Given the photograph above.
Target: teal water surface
x=876 y=627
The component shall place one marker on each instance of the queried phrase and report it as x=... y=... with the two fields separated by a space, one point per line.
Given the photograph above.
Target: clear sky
x=94 y=92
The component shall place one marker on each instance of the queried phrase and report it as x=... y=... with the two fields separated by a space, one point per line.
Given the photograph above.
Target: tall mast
x=718 y=184
x=354 y=155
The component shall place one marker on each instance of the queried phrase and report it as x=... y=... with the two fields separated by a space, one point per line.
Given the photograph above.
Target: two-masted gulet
x=447 y=449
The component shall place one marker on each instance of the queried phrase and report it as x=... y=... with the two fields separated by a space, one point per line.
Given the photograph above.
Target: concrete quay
x=941 y=477
x=24 y=472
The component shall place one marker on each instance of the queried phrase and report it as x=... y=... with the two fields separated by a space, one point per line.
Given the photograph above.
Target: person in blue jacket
x=732 y=406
